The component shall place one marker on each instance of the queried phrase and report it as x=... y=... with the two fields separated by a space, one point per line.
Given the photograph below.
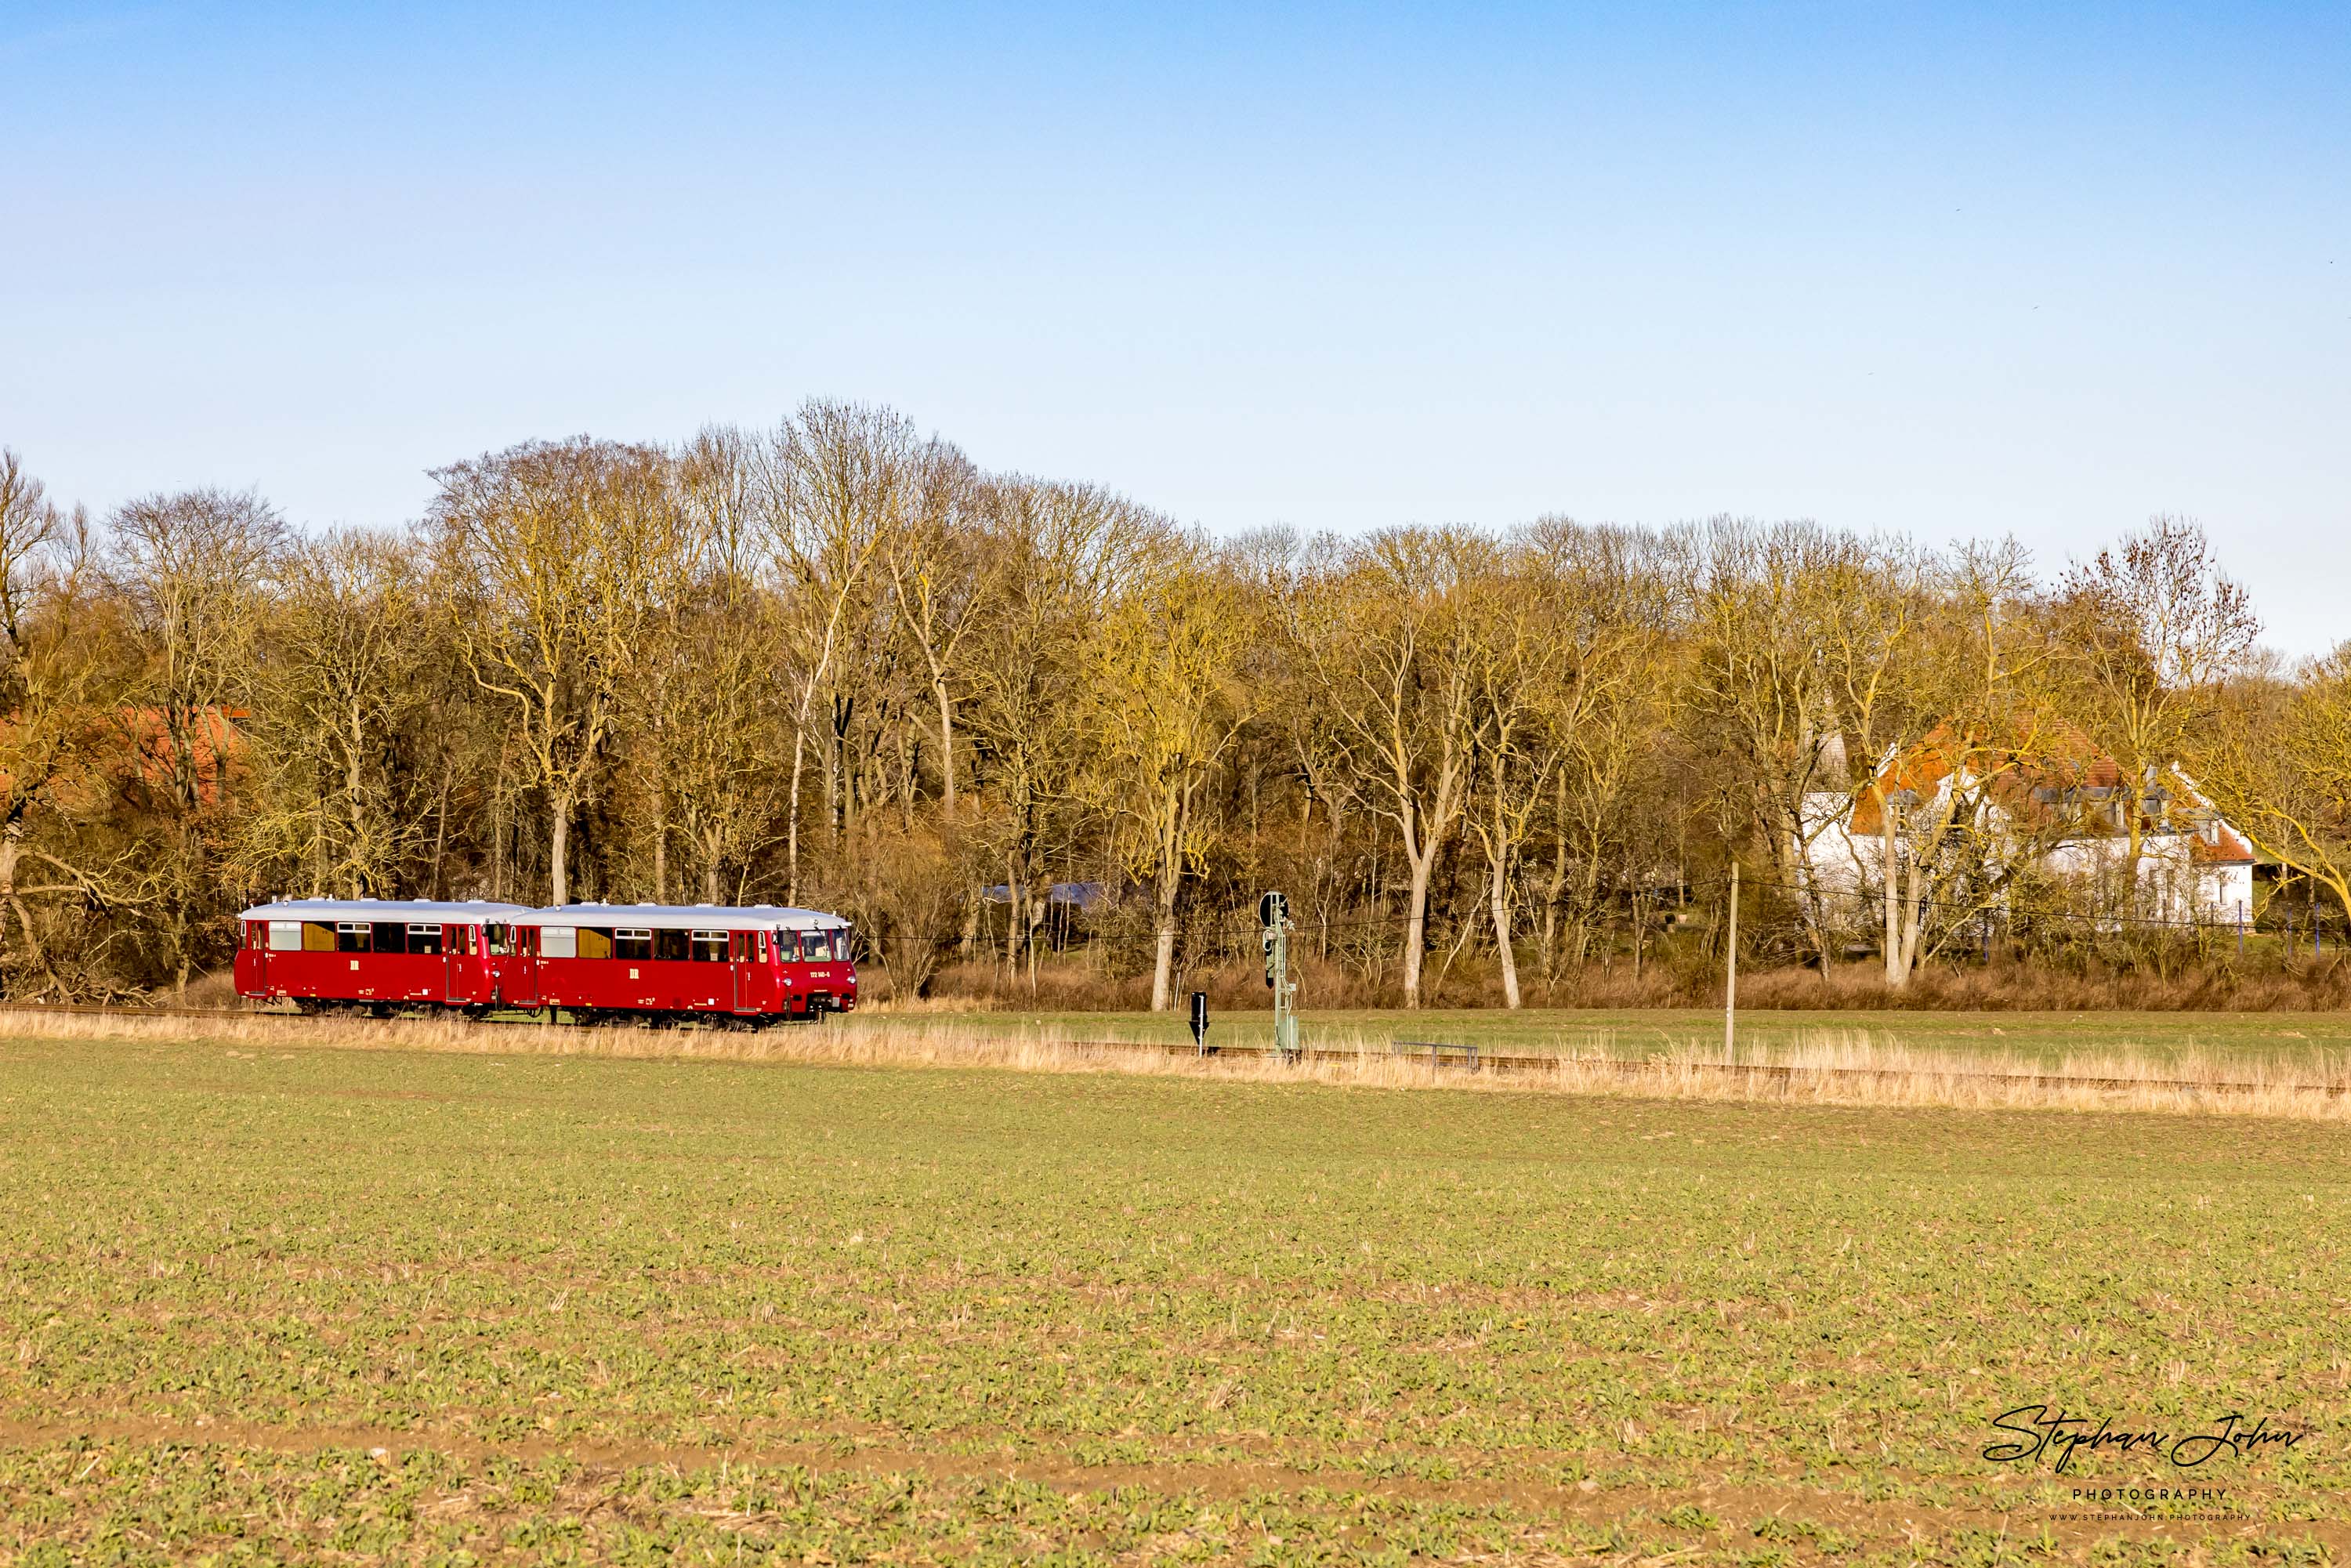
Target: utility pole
x=1730 y=976
x=1273 y=915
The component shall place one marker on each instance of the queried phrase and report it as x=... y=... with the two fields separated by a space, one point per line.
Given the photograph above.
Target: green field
x=304 y=1305
x=2044 y=1038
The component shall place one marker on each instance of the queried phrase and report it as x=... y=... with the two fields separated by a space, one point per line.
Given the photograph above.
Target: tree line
x=836 y=663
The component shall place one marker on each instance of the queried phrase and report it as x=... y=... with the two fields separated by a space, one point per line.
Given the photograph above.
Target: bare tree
x=939 y=570
x=2158 y=628
x=558 y=552
x=1390 y=639
x=57 y=697
x=337 y=679
x=194 y=573
x=834 y=483
x=1165 y=704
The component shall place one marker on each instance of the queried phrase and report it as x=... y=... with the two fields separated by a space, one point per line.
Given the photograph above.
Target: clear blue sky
x=2044 y=270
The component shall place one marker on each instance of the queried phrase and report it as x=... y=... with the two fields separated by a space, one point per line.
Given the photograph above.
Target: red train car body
x=757 y=965
x=371 y=953
x=759 y=962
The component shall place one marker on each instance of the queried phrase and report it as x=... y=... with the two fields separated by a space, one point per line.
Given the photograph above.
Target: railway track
x=1447 y=1056
x=1471 y=1059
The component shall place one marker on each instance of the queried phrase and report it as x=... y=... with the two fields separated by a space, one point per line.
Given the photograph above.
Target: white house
x=2054 y=801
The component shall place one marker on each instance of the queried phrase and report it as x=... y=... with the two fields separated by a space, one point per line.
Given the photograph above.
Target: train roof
x=383 y=909
x=686 y=917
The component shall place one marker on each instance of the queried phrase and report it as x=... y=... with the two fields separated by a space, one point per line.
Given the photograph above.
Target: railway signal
x=1273 y=916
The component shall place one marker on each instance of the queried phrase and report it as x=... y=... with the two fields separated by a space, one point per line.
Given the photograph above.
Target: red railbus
x=372 y=953
x=591 y=961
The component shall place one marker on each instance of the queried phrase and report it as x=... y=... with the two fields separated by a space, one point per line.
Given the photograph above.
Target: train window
x=594 y=941
x=631 y=943
x=318 y=936
x=286 y=936
x=554 y=941
x=353 y=937
x=710 y=946
x=425 y=939
x=670 y=947
x=391 y=936
x=815 y=947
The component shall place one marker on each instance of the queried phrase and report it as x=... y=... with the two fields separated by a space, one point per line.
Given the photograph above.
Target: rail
x=1473 y=1059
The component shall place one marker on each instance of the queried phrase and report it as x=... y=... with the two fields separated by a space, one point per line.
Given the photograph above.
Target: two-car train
x=592 y=962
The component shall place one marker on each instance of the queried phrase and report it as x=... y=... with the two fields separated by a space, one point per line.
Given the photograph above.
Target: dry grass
x=1827 y=1066
x=2264 y=982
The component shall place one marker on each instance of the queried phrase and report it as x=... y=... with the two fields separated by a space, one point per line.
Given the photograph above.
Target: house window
x=710 y=946
x=629 y=943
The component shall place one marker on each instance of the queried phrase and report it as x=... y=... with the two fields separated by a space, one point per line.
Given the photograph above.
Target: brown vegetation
x=1837 y=1065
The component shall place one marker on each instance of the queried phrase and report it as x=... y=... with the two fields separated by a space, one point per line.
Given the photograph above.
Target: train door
x=455 y=950
x=741 y=949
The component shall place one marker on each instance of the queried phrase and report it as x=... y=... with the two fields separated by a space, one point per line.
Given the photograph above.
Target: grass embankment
x=2044 y=1039
x=265 y=1302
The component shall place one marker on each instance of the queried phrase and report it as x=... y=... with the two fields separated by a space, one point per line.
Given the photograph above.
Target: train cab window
x=425 y=939
x=710 y=946
x=495 y=936
x=822 y=947
x=356 y=936
x=670 y=947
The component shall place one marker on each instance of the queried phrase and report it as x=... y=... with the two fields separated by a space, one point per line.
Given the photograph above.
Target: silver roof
x=387 y=909
x=684 y=916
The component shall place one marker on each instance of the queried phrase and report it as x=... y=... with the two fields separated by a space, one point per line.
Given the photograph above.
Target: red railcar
x=761 y=963
x=755 y=965
x=376 y=954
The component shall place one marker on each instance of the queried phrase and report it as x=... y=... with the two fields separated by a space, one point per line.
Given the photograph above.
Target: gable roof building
x=2047 y=797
